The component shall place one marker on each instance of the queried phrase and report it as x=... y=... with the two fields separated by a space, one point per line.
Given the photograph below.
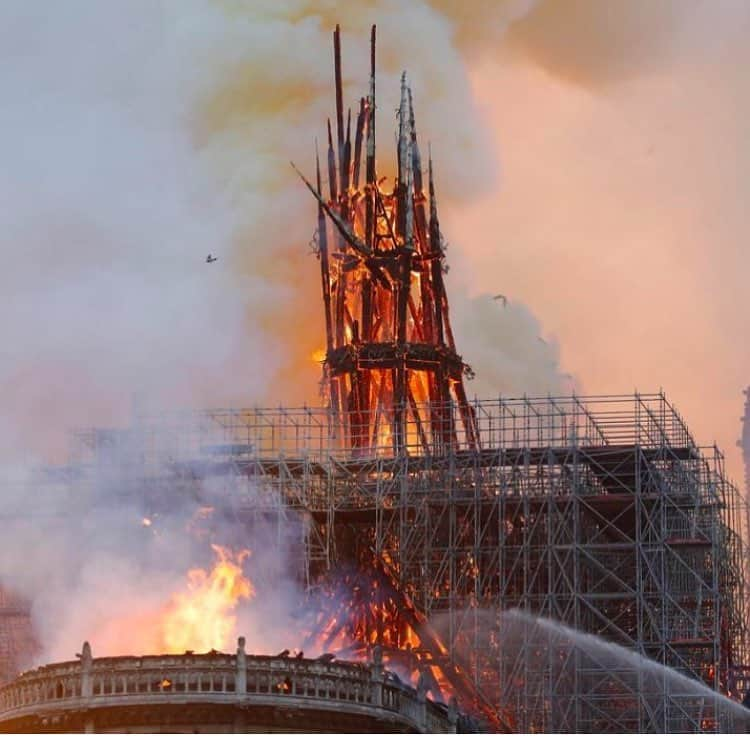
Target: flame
x=362 y=624
x=318 y=356
x=202 y=618
x=364 y=609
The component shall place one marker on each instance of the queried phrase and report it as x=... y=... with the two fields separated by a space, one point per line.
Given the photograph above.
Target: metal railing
x=646 y=420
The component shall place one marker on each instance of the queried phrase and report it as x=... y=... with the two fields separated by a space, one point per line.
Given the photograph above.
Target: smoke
x=143 y=137
x=503 y=342
x=140 y=137
x=108 y=216
x=594 y=44
x=591 y=161
x=104 y=561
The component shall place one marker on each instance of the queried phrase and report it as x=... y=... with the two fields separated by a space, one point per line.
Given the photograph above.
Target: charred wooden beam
x=387 y=313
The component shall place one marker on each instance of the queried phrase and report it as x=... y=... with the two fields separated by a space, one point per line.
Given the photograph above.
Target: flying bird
x=211 y=258
x=503 y=298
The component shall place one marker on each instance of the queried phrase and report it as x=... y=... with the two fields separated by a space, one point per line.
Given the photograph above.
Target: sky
x=591 y=162
x=620 y=216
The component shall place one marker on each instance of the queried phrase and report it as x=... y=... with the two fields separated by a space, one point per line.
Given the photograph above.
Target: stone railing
x=361 y=688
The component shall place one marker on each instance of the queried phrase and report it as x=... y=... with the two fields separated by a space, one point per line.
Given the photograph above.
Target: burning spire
x=392 y=371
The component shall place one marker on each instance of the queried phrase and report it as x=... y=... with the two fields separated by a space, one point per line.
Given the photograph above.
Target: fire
x=202 y=618
x=318 y=356
x=363 y=609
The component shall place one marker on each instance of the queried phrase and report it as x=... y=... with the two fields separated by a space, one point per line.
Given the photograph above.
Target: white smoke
x=504 y=346
x=101 y=558
x=141 y=137
x=138 y=138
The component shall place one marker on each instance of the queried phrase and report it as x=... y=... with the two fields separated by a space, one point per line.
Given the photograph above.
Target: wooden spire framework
x=392 y=372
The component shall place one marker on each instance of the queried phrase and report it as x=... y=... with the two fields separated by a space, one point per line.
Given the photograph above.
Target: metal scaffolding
x=17 y=641
x=601 y=513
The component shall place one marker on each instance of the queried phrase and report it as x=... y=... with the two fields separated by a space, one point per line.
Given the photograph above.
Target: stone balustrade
x=365 y=689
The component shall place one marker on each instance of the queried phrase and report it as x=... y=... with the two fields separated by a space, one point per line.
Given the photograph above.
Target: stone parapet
x=250 y=693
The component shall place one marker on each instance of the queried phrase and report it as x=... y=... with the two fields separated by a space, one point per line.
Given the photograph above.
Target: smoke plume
x=108 y=561
x=141 y=138
x=576 y=175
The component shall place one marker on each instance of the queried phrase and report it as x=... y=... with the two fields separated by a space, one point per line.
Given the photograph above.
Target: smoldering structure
x=418 y=517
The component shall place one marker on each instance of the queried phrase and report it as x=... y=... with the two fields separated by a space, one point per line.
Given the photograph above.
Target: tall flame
x=202 y=618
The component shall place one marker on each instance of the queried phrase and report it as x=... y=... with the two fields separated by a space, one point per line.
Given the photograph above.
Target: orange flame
x=202 y=618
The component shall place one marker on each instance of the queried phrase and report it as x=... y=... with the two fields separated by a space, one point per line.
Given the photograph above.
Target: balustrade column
x=422 y=702
x=240 y=683
x=378 y=676
x=453 y=715
x=86 y=678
